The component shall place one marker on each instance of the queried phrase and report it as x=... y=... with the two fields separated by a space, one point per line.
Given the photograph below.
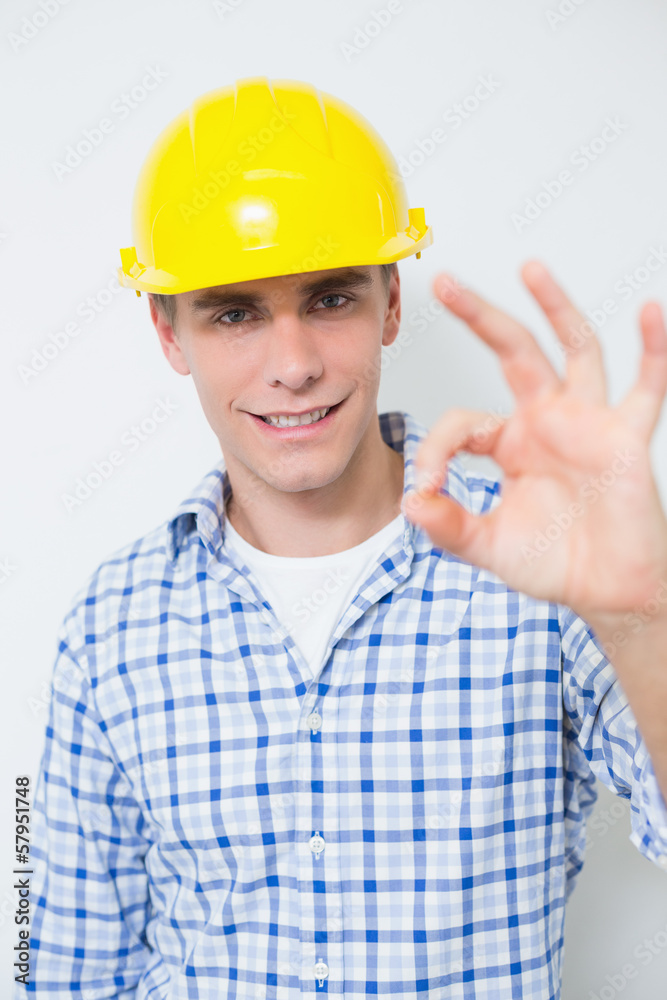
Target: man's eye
x=334 y=295
x=234 y=314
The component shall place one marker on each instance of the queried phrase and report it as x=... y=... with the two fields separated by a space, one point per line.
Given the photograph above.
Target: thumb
x=448 y=525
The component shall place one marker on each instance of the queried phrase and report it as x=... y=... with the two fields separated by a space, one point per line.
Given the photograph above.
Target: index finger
x=527 y=369
x=585 y=375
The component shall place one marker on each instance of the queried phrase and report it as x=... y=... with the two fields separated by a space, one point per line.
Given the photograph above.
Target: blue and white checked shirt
x=213 y=823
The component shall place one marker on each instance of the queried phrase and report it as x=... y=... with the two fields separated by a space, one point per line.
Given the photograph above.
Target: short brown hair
x=166 y=304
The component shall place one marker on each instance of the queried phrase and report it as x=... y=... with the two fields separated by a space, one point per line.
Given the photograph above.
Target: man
x=334 y=727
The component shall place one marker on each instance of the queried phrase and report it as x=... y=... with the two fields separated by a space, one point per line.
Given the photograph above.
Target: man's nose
x=292 y=354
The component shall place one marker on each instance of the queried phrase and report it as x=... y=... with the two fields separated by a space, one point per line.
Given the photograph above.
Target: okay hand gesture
x=580 y=520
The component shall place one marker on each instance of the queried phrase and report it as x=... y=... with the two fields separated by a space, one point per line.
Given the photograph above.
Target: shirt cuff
x=649 y=833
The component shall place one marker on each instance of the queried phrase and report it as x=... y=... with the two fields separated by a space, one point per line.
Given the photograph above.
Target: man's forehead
x=304 y=283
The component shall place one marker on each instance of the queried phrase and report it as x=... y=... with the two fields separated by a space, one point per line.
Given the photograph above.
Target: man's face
x=287 y=345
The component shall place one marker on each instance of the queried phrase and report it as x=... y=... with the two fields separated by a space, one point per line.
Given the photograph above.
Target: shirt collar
x=204 y=509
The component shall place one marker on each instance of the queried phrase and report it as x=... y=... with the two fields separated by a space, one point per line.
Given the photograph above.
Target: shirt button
x=316 y=844
x=314 y=721
x=662 y=861
x=321 y=971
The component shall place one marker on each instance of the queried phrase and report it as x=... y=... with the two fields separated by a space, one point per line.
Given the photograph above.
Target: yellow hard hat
x=265 y=178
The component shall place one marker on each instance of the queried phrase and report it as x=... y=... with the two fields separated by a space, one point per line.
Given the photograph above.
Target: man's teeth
x=305 y=418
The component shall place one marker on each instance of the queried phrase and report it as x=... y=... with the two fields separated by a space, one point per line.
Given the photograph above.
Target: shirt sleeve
x=598 y=717
x=89 y=890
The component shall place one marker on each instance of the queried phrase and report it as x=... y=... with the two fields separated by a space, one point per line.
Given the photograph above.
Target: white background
x=556 y=85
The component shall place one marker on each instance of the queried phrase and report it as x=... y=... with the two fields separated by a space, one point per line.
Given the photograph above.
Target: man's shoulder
x=137 y=564
x=126 y=581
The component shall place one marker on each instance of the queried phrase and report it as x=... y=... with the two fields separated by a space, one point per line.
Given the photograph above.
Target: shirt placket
x=318 y=859
x=323 y=914
x=322 y=917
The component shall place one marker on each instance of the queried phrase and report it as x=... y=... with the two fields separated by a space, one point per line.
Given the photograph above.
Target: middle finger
x=527 y=369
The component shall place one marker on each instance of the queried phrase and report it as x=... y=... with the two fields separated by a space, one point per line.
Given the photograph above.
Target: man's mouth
x=302 y=420
x=283 y=422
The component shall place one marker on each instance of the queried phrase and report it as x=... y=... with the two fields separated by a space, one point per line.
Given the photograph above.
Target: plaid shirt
x=211 y=822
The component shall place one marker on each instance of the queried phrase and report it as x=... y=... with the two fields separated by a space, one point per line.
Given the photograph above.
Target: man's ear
x=392 y=316
x=171 y=347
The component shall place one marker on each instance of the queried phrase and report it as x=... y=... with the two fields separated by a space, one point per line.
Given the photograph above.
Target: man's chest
x=409 y=740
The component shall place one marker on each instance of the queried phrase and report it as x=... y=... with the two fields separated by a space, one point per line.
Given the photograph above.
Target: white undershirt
x=327 y=583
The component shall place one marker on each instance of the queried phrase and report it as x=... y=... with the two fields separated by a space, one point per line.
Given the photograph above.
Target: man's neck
x=340 y=516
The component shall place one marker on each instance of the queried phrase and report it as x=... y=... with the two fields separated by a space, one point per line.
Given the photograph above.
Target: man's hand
x=580 y=521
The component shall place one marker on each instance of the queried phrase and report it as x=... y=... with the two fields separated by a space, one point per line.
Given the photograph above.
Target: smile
x=297 y=427
x=297 y=421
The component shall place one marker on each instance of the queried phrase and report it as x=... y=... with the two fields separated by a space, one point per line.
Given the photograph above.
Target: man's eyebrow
x=214 y=298
x=348 y=278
